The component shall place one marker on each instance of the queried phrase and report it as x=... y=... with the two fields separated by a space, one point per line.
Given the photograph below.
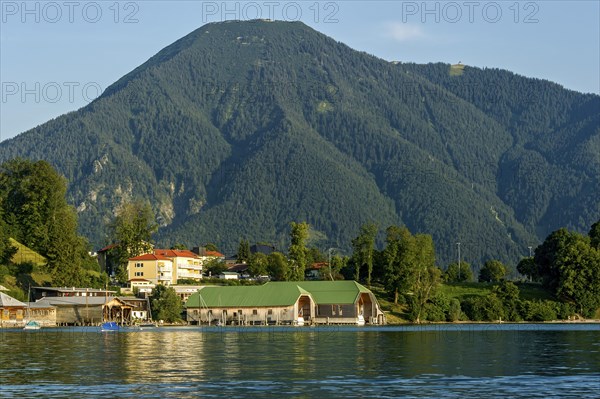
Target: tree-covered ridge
x=240 y=127
x=36 y=214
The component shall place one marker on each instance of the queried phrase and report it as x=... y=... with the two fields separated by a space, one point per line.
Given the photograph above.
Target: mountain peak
x=241 y=127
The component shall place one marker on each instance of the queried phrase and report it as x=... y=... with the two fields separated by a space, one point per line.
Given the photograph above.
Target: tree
x=166 y=304
x=410 y=268
x=569 y=266
x=132 y=230
x=335 y=267
x=527 y=267
x=278 y=267
x=454 y=274
x=243 y=253
x=579 y=268
x=508 y=293
x=364 y=246
x=546 y=257
x=297 y=251
x=594 y=235
x=179 y=246
x=35 y=211
x=398 y=256
x=258 y=264
x=214 y=267
x=32 y=193
x=7 y=250
x=66 y=254
x=427 y=275
x=211 y=247
x=492 y=271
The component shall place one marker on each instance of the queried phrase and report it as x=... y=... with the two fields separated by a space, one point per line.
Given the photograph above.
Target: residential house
x=186 y=264
x=153 y=269
x=207 y=256
x=228 y=276
x=107 y=260
x=140 y=307
x=316 y=302
x=241 y=269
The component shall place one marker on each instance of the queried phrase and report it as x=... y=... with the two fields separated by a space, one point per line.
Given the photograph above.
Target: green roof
x=334 y=292
x=246 y=296
x=277 y=294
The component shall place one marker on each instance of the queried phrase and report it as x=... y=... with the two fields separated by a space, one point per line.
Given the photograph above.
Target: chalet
x=314 y=302
x=12 y=311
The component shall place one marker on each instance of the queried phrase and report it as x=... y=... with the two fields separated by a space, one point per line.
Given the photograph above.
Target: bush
x=454 y=310
x=539 y=310
x=488 y=308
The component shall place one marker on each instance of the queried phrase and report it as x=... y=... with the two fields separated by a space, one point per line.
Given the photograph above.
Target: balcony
x=188 y=266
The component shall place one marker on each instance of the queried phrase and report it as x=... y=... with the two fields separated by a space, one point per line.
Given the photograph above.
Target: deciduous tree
x=492 y=271
x=297 y=251
x=363 y=246
x=454 y=274
x=132 y=230
x=166 y=304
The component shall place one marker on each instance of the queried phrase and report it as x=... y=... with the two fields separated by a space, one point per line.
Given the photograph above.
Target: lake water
x=439 y=361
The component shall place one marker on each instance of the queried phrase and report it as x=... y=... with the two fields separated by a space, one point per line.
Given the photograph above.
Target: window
x=139 y=274
x=270 y=312
x=139 y=265
x=255 y=312
x=240 y=312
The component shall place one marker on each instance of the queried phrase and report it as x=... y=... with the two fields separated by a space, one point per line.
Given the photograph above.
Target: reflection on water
x=434 y=361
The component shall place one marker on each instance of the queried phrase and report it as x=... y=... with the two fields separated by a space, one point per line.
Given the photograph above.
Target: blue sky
x=57 y=56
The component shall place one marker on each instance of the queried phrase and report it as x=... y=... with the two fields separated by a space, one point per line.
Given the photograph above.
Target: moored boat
x=109 y=326
x=32 y=325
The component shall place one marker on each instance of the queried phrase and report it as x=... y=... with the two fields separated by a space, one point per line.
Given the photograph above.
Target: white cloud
x=402 y=32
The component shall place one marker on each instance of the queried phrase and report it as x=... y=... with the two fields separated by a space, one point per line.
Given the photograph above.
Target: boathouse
x=311 y=302
x=84 y=310
x=12 y=311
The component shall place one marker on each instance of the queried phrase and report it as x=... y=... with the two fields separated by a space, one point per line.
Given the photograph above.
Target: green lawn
x=460 y=291
x=24 y=254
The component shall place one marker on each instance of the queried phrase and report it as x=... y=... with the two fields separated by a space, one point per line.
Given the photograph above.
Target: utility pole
x=330 y=270
x=458 y=244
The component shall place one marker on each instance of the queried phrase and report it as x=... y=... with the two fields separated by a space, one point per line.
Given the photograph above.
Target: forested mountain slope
x=241 y=127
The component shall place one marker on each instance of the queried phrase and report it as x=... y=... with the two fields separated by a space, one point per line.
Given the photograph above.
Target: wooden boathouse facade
x=281 y=303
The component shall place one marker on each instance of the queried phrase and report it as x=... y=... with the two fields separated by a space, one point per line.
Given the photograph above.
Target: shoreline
x=431 y=326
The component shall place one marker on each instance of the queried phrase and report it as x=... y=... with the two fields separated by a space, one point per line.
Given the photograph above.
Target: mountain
x=241 y=127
